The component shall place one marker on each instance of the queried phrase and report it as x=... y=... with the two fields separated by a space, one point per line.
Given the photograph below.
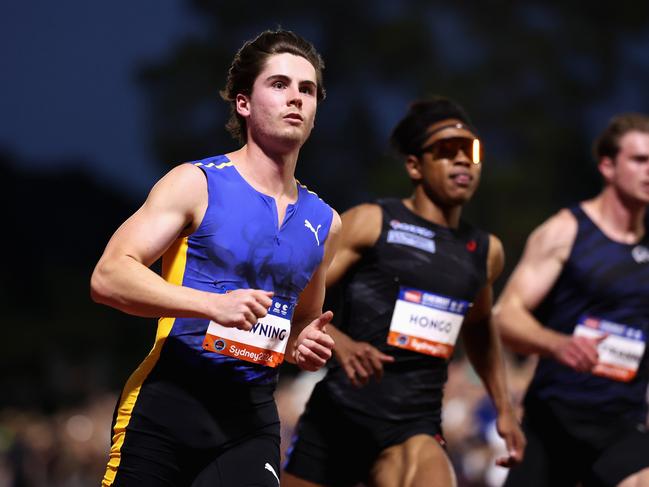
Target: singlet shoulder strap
x=391 y=205
x=578 y=211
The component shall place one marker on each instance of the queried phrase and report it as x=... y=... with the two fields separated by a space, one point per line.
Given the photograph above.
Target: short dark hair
x=608 y=142
x=249 y=61
x=411 y=132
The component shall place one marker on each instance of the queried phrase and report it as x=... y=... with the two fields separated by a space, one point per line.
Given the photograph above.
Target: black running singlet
x=410 y=253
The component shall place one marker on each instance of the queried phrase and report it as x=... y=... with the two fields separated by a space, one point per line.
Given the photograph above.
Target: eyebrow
x=283 y=77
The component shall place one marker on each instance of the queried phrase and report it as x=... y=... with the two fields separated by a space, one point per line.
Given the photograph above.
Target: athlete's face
x=628 y=173
x=281 y=109
x=449 y=177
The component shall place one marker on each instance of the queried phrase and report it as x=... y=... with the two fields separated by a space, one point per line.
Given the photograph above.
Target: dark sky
x=68 y=92
x=540 y=79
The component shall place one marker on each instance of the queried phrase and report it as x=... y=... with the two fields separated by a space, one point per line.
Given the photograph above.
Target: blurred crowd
x=65 y=449
x=70 y=448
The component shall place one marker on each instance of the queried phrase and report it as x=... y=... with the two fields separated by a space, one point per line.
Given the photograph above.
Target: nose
x=462 y=158
x=295 y=98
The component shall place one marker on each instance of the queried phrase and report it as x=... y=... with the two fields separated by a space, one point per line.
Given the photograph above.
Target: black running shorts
x=567 y=445
x=174 y=438
x=337 y=446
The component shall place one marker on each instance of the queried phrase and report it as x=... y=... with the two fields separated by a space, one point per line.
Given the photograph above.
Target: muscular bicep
x=175 y=205
x=544 y=256
x=361 y=227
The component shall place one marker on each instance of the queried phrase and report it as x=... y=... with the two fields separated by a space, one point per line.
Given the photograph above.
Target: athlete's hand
x=579 y=352
x=360 y=360
x=313 y=345
x=510 y=431
x=241 y=308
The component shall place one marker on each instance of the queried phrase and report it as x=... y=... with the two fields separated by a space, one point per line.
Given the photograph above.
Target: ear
x=243 y=105
x=606 y=167
x=413 y=167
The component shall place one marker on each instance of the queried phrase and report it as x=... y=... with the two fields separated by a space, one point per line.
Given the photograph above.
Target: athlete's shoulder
x=213 y=163
x=361 y=225
x=363 y=215
x=183 y=180
x=336 y=224
x=560 y=228
x=312 y=196
x=555 y=237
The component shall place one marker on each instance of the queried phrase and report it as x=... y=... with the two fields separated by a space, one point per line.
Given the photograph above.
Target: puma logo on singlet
x=270 y=468
x=307 y=224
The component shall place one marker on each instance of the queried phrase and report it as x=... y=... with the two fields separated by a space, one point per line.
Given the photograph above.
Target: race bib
x=264 y=344
x=426 y=323
x=619 y=353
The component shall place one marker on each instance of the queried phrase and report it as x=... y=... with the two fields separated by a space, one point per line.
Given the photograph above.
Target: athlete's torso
x=414 y=253
x=238 y=245
x=602 y=280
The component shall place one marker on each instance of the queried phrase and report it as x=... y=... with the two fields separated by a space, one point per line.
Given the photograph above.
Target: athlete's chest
x=611 y=273
x=433 y=260
x=252 y=232
x=241 y=239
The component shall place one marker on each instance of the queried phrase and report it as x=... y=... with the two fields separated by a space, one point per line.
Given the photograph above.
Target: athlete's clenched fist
x=314 y=346
x=241 y=308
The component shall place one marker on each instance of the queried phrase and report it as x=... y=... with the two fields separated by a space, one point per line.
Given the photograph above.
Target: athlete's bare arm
x=483 y=348
x=122 y=278
x=546 y=252
x=309 y=346
x=361 y=230
x=361 y=227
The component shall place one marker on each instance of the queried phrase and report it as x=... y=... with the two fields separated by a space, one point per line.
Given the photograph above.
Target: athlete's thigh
x=626 y=457
x=420 y=461
x=254 y=462
x=145 y=459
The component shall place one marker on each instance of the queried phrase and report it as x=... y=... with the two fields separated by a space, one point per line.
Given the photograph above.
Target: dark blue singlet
x=608 y=280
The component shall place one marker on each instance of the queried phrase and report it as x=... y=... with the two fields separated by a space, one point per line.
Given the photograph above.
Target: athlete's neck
x=269 y=173
x=621 y=220
x=423 y=206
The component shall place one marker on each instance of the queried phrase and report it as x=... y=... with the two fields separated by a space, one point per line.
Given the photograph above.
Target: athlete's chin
x=293 y=136
x=639 y=198
x=460 y=197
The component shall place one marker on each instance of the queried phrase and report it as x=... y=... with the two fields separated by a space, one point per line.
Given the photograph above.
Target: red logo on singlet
x=471 y=245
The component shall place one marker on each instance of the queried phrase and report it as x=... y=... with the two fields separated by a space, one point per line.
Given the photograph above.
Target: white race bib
x=620 y=352
x=264 y=344
x=426 y=323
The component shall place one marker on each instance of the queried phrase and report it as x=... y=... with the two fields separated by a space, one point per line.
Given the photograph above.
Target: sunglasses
x=448 y=148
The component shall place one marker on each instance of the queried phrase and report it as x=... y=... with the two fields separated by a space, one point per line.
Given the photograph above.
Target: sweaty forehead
x=288 y=65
